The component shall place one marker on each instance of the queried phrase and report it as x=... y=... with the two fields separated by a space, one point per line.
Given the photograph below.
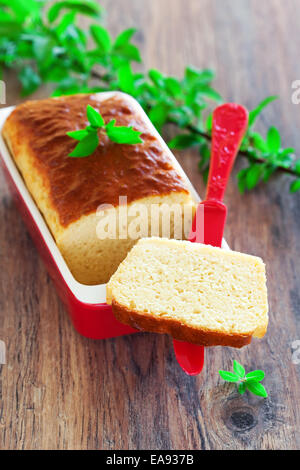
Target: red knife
x=230 y=122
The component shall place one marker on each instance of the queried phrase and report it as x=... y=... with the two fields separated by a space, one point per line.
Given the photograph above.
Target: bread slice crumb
x=194 y=292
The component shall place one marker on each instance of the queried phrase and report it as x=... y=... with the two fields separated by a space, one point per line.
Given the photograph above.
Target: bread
x=194 y=292
x=68 y=191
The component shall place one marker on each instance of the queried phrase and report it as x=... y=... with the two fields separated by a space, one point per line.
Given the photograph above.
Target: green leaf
x=173 y=87
x=229 y=376
x=110 y=124
x=101 y=37
x=297 y=167
x=242 y=388
x=67 y=20
x=193 y=75
x=253 y=115
x=205 y=175
x=86 y=7
x=30 y=80
x=43 y=50
x=273 y=140
x=123 y=134
x=158 y=114
x=268 y=171
x=21 y=8
x=256 y=375
x=259 y=142
x=86 y=146
x=209 y=122
x=182 y=141
x=295 y=186
x=253 y=175
x=257 y=389
x=94 y=117
x=210 y=93
x=124 y=37
x=238 y=369
x=78 y=135
x=126 y=79
x=128 y=52
x=157 y=78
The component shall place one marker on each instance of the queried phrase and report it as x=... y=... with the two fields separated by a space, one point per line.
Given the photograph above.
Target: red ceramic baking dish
x=87 y=307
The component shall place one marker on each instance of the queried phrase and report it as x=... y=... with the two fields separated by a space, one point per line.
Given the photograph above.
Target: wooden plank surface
x=59 y=390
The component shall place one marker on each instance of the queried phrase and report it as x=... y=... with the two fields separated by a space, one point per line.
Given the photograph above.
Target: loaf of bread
x=194 y=292
x=75 y=195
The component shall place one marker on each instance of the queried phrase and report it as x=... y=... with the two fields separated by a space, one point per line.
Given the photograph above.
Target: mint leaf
x=295 y=186
x=229 y=376
x=124 y=37
x=87 y=7
x=172 y=86
x=259 y=142
x=156 y=77
x=30 y=80
x=95 y=118
x=209 y=122
x=273 y=140
x=86 y=146
x=129 y=52
x=78 y=135
x=242 y=388
x=195 y=76
x=123 y=135
x=182 y=141
x=256 y=388
x=158 y=114
x=101 y=37
x=297 y=167
x=241 y=177
x=253 y=175
x=253 y=115
x=256 y=375
x=211 y=93
x=238 y=369
x=126 y=79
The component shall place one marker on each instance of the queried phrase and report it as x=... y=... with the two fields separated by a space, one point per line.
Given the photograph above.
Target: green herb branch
x=45 y=44
x=250 y=381
x=89 y=137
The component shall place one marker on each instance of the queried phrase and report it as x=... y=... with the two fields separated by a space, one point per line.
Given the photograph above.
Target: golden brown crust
x=146 y=322
x=77 y=186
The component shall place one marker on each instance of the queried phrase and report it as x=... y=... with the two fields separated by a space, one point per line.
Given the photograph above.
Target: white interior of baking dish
x=89 y=294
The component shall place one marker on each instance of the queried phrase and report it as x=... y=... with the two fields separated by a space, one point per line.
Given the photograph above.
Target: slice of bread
x=194 y=292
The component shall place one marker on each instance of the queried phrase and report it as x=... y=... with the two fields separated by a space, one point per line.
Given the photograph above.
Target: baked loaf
x=68 y=191
x=194 y=292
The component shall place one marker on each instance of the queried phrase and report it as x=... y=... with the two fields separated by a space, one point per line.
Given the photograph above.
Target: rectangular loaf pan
x=87 y=307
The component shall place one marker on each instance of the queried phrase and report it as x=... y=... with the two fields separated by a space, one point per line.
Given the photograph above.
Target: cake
x=194 y=292
x=78 y=196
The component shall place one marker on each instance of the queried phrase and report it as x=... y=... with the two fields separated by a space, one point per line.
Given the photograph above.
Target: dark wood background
x=59 y=390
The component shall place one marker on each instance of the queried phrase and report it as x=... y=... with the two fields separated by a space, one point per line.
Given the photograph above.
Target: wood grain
x=59 y=390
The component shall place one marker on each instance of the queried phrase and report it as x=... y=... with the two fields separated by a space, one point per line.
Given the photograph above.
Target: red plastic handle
x=230 y=123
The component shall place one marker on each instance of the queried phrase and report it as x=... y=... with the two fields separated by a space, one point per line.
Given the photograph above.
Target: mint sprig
x=89 y=137
x=250 y=381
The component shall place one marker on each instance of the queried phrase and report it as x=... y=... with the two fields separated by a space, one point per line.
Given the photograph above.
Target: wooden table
x=59 y=390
